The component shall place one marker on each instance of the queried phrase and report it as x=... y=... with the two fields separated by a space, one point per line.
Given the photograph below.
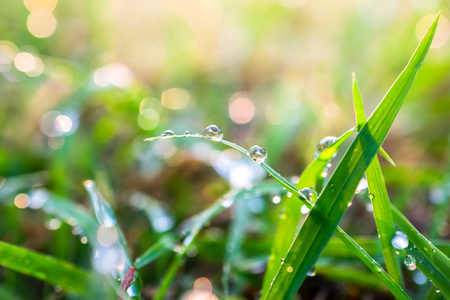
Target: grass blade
x=164 y=245
x=429 y=259
x=287 y=226
x=355 y=248
x=379 y=196
x=198 y=222
x=333 y=202
x=45 y=268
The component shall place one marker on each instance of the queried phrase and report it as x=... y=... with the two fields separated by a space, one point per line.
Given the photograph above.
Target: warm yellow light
x=202 y=284
x=41 y=23
x=175 y=98
x=22 y=200
x=35 y=5
x=241 y=110
x=24 y=62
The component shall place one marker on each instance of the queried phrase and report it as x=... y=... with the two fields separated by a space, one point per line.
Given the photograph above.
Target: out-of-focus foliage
x=82 y=83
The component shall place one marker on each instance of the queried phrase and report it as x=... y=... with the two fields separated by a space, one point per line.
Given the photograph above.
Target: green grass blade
x=379 y=196
x=45 y=268
x=361 y=115
x=234 y=241
x=383 y=217
x=287 y=226
x=333 y=202
x=358 y=104
x=386 y=156
x=355 y=248
x=429 y=259
x=164 y=245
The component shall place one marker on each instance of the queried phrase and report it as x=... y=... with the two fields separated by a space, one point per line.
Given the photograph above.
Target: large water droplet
x=213 y=132
x=324 y=144
x=312 y=272
x=309 y=194
x=400 y=240
x=257 y=153
x=168 y=133
x=410 y=262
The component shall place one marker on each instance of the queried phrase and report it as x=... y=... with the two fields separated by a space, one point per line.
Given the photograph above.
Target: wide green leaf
x=333 y=202
x=45 y=268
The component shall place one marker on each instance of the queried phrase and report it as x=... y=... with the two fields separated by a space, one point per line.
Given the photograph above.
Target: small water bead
x=282 y=261
x=324 y=144
x=257 y=153
x=213 y=132
x=187 y=132
x=309 y=194
x=410 y=262
x=312 y=272
x=168 y=133
x=400 y=240
x=304 y=210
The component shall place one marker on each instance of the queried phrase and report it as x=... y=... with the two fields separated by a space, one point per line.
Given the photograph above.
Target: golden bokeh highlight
x=35 y=5
x=22 y=201
x=41 y=23
x=442 y=34
x=241 y=110
x=175 y=98
x=24 y=62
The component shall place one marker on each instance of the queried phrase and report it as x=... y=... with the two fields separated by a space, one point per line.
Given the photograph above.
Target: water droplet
x=438 y=291
x=102 y=209
x=257 y=153
x=282 y=261
x=371 y=196
x=304 y=210
x=410 y=262
x=187 y=132
x=290 y=269
x=434 y=250
x=213 y=132
x=309 y=194
x=349 y=204
x=312 y=272
x=168 y=133
x=400 y=240
x=324 y=144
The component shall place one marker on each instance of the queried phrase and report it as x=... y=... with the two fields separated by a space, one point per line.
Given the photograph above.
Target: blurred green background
x=82 y=83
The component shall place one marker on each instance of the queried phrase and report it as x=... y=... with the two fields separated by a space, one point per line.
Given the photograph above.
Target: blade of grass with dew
x=107 y=221
x=45 y=268
x=234 y=242
x=287 y=226
x=379 y=197
x=333 y=202
x=349 y=242
x=433 y=263
x=198 y=222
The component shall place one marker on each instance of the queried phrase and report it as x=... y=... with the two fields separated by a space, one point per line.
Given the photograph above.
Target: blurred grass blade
x=383 y=217
x=379 y=197
x=333 y=202
x=348 y=241
x=429 y=259
x=164 y=245
x=386 y=156
x=107 y=221
x=287 y=226
x=234 y=241
x=197 y=222
x=45 y=268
